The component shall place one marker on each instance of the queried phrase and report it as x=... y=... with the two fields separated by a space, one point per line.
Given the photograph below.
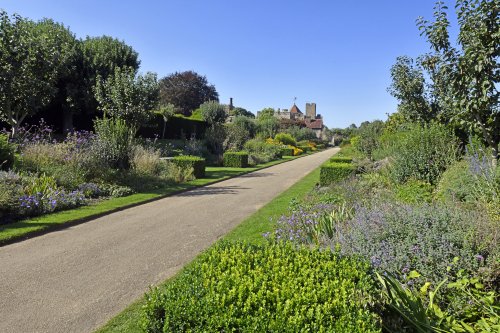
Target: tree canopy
x=187 y=91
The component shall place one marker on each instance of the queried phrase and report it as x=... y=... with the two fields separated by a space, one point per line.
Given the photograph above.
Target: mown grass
x=29 y=227
x=250 y=230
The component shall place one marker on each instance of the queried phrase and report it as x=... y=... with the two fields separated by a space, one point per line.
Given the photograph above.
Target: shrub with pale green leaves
x=423 y=153
x=273 y=288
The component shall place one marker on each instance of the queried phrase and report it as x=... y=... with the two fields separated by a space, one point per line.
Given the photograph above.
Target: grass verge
x=13 y=232
x=250 y=230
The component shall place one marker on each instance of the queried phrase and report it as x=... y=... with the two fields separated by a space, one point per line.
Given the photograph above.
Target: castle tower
x=311 y=110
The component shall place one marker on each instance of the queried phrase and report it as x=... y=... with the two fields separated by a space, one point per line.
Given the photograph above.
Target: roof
x=314 y=124
x=295 y=109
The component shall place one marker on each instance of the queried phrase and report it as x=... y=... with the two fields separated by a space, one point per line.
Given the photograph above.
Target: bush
x=305 y=149
x=287 y=151
x=414 y=191
x=194 y=162
x=274 y=288
x=236 y=159
x=6 y=153
x=423 y=153
x=146 y=160
x=213 y=113
x=113 y=142
x=177 y=174
x=399 y=238
x=285 y=139
x=336 y=159
x=334 y=172
x=456 y=183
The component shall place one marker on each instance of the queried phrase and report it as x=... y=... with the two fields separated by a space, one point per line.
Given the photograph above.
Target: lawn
x=16 y=231
x=250 y=230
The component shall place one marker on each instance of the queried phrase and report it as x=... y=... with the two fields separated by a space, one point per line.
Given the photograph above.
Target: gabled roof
x=295 y=109
x=314 y=124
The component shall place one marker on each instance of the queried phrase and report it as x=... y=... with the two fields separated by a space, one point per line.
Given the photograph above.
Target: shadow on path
x=213 y=190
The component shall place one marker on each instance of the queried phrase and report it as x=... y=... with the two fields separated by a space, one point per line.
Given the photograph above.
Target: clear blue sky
x=263 y=53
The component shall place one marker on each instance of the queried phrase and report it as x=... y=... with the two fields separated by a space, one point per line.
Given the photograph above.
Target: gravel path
x=76 y=279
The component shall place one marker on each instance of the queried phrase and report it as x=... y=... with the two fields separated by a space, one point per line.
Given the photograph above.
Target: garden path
x=76 y=279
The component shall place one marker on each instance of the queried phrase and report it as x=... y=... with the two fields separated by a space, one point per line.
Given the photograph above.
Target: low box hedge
x=333 y=172
x=286 y=151
x=235 y=159
x=237 y=287
x=187 y=161
x=320 y=146
x=336 y=159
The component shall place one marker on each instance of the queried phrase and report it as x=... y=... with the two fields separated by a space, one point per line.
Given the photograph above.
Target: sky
x=262 y=53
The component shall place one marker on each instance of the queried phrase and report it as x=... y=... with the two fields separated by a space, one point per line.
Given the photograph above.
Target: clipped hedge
x=237 y=159
x=287 y=151
x=333 y=172
x=237 y=287
x=336 y=159
x=320 y=146
x=188 y=161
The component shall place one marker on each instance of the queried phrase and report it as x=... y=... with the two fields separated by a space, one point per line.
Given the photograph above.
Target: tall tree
x=187 y=91
x=69 y=81
x=127 y=96
x=29 y=58
x=408 y=86
x=471 y=71
x=100 y=57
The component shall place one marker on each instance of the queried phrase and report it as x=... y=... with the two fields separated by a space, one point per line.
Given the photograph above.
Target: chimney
x=230 y=103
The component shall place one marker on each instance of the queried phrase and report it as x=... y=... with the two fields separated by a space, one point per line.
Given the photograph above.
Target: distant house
x=311 y=119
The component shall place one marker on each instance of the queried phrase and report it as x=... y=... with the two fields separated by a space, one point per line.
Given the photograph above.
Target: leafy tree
x=187 y=91
x=469 y=71
x=166 y=112
x=267 y=126
x=238 y=111
x=29 y=58
x=408 y=86
x=127 y=96
x=266 y=112
x=239 y=131
x=212 y=112
x=70 y=83
x=100 y=56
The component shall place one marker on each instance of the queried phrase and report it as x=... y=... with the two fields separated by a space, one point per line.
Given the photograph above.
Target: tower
x=311 y=110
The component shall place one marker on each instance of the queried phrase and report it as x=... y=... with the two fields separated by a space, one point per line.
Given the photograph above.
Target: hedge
x=320 y=146
x=333 y=172
x=336 y=159
x=237 y=287
x=286 y=151
x=195 y=162
x=235 y=159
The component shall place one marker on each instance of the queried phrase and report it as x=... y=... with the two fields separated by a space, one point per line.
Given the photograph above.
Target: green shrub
x=6 y=153
x=195 y=162
x=414 y=191
x=236 y=159
x=305 y=149
x=423 y=153
x=456 y=183
x=146 y=160
x=114 y=139
x=334 y=172
x=336 y=159
x=274 y=288
x=285 y=139
x=286 y=151
x=320 y=146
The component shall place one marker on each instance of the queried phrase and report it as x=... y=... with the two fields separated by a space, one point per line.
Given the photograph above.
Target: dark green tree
x=187 y=91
